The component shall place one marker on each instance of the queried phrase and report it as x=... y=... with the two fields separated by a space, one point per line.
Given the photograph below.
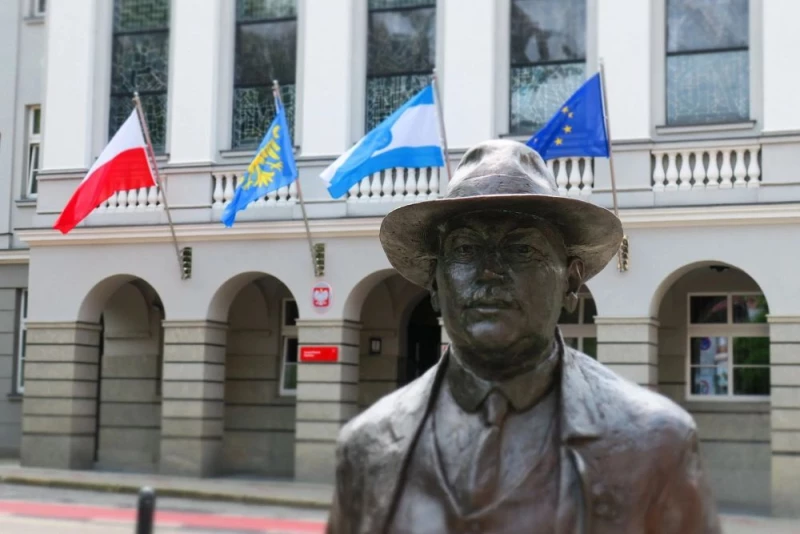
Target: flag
x=409 y=138
x=578 y=128
x=123 y=165
x=272 y=167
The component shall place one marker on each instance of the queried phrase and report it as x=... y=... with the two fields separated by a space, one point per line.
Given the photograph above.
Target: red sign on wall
x=319 y=354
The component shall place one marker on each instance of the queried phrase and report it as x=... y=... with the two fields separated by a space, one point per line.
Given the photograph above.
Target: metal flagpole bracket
x=623 y=254
x=319 y=259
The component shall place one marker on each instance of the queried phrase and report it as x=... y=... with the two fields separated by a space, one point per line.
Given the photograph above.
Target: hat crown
x=501 y=167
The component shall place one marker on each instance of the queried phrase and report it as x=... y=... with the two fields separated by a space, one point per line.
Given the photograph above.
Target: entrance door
x=423 y=339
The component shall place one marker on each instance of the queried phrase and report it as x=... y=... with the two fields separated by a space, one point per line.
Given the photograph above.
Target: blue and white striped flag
x=408 y=138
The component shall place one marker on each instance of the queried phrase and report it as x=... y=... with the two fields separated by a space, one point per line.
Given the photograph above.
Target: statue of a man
x=513 y=431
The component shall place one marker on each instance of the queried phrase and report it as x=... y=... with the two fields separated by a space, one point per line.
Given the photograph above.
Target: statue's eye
x=521 y=250
x=465 y=250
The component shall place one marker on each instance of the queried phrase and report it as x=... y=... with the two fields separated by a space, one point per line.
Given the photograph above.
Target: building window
x=266 y=50
x=548 y=59
x=728 y=345
x=401 y=54
x=19 y=379
x=140 y=62
x=39 y=7
x=708 y=65
x=289 y=348
x=34 y=150
x=578 y=327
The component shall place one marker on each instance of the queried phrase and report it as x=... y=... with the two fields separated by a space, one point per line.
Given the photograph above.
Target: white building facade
x=129 y=367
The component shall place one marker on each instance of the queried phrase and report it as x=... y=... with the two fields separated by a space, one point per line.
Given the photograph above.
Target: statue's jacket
x=629 y=460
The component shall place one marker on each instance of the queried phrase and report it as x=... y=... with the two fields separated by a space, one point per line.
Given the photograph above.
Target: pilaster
x=193 y=405
x=327 y=396
x=629 y=347
x=59 y=407
x=784 y=335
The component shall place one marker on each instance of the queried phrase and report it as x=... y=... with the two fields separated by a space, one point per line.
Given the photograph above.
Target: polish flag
x=123 y=165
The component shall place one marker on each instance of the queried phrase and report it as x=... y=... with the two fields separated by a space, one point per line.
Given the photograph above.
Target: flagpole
x=152 y=157
x=277 y=94
x=621 y=262
x=442 y=134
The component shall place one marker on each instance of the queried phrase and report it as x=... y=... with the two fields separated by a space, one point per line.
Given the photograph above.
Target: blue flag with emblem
x=272 y=167
x=578 y=128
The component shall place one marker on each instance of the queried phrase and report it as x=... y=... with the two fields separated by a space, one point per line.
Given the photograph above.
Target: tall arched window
x=140 y=62
x=401 y=54
x=266 y=50
x=548 y=59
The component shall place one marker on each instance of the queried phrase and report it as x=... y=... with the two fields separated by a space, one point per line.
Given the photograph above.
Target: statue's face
x=501 y=279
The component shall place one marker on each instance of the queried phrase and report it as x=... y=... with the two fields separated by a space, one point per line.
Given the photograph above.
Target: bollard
x=146 y=511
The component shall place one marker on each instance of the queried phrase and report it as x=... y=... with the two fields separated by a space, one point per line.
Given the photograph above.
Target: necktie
x=485 y=468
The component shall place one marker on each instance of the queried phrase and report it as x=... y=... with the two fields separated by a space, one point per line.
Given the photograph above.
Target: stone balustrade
x=692 y=169
x=143 y=199
x=224 y=185
x=397 y=185
x=574 y=176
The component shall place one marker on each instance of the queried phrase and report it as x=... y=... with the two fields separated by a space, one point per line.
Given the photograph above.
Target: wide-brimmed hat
x=499 y=175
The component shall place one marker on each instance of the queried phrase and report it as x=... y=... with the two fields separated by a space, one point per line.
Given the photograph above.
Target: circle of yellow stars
x=567 y=128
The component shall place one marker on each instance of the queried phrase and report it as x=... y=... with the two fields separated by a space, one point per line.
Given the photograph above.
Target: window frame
x=580 y=330
x=22 y=329
x=288 y=332
x=660 y=129
x=36 y=8
x=729 y=330
x=33 y=140
x=293 y=121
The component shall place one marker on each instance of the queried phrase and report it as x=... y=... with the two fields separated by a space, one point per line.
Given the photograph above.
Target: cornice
x=632 y=219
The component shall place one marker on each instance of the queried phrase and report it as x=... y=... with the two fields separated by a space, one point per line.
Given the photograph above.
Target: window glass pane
x=140 y=63
x=708 y=88
x=21 y=363
x=33 y=167
x=751 y=351
x=709 y=381
x=751 y=381
x=571 y=342
x=568 y=317
x=253 y=111
x=708 y=309
x=709 y=351
x=589 y=310
x=291 y=350
x=547 y=30
x=264 y=9
x=706 y=24
x=136 y=15
x=386 y=94
x=401 y=42
x=155 y=110
x=290 y=313
x=590 y=346
x=41 y=6
x=749 y=309
x=290 y=377
x=266 y=52
x=37 y=121
x=538 y=91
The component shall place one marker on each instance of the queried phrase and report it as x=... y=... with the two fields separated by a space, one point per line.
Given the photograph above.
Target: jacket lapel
x=580 y=421
x=404 y=426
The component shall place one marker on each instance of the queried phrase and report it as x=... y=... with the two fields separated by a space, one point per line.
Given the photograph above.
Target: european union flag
x=578 y=128
x=272 y=167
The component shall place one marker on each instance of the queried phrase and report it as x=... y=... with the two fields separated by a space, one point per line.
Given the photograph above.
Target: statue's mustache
x=490 y=296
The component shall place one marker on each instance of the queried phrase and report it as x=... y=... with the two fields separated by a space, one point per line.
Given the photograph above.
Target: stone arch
x=94 y=302
x=354 y=301
x=259 y=411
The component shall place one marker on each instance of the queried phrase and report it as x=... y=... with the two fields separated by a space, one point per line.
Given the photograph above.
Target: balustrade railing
x=574 y=176
x=225 y=185
x=397 y=185
x=143 y=199
x=693 y=169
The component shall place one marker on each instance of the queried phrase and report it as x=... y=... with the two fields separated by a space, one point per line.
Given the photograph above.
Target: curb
x=182 y=493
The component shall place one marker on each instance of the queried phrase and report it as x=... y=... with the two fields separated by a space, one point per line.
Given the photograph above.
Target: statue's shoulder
x=631 y=410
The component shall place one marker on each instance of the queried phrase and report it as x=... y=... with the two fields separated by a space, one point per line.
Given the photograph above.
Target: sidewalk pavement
x=267 y=492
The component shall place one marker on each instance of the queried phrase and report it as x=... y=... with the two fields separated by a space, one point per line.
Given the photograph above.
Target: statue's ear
x=575 y=273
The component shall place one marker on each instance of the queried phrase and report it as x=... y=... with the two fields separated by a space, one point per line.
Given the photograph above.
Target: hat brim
x=408 y=233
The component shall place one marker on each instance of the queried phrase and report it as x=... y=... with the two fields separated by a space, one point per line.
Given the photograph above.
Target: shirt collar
x=522 y=391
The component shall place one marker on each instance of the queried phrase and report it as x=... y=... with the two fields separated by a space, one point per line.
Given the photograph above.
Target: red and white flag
x=123 y=165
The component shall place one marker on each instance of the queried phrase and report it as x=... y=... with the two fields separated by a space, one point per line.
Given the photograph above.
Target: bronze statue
x=512 y=431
